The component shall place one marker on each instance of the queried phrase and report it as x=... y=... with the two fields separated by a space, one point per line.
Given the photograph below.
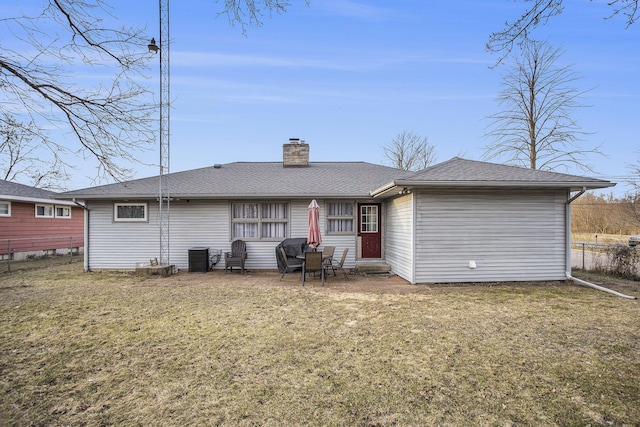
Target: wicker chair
x=236 y=257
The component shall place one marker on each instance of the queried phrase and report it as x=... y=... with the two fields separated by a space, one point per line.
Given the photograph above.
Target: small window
x=5 y=208
x=63 y=212
x=130 y=212
x=44 y=211
x=369 y=219
x=340 y=218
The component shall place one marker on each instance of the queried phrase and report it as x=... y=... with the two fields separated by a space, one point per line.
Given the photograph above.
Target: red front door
x=369 y=230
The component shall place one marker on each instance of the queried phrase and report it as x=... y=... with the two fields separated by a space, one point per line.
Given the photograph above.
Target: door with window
x=369 y=230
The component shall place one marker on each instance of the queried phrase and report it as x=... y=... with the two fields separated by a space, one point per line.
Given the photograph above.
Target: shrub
x=623 y=261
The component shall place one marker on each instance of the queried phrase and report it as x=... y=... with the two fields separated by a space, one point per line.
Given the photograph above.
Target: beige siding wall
x=399 y=237
x=509 y=235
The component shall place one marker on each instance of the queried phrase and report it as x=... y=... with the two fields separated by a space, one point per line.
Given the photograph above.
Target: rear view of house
x=458 y=221
x=32 y=223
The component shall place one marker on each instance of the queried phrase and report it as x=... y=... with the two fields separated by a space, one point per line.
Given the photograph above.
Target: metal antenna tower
x=164 y=193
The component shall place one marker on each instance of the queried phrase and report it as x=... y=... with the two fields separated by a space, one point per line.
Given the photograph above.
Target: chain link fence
x=34 y=252
x=617 y=259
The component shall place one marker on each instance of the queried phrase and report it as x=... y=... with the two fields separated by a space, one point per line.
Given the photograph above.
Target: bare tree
x=410 y=151
x=634 y=179
x=540 y=12
x=606 y=214
x=535 y=128
x=249 y=13
x=22 y=160
x=109 y=118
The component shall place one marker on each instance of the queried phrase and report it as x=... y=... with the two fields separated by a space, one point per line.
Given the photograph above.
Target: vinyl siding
x=197 y=223
x=399 y=236
x=510 y=235
x=120 y=245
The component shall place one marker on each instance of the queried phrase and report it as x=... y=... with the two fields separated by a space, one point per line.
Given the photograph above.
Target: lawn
x=232 y=350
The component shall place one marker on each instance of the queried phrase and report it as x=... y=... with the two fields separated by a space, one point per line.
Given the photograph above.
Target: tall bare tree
x=110 y=119
x=40 y=81
x=535 y=127
x=21 y=160
x=410 y=151
x=540 y=12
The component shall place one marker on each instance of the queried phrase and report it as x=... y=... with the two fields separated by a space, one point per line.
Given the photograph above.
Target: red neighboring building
x=32 y=222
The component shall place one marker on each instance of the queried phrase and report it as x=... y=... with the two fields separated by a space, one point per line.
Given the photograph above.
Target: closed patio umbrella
x=314 y=238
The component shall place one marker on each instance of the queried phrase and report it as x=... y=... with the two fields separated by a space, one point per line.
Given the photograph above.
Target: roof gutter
x=573 y=186
x=51 y=201
x=384 y=189
x=577 y=185
x=568 y=251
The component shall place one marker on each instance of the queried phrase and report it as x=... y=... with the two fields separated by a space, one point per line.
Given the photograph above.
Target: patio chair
x=236 y=257
x=327 y=255
x=312 y=263
x=339 y=266
x=292 y=264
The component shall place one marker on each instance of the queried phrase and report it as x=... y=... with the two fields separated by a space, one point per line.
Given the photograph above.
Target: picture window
x=130 y=212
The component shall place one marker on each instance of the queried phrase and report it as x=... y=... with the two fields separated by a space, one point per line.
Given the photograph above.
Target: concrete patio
x=271 y=278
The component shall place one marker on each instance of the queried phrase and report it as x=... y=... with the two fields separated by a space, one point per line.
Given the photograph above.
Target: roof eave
x=177 y=196
x=391 y=188
x=51 y=201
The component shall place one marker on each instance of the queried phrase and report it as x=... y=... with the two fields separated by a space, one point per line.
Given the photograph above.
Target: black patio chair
x=236 y=257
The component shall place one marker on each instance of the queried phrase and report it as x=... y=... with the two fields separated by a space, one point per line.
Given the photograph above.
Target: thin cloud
x=347 y=62
x=353 y=9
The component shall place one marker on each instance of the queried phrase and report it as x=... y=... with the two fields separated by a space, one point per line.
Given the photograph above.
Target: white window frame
x=49 y=210
x=369 y=219
x=260 y=220
x=118 y=219
x=8 y=203
x=330 y=218
x=64 y=208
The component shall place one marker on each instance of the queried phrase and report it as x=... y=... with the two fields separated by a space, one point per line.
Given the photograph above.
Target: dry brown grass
x=215 y=349
x=602 y=239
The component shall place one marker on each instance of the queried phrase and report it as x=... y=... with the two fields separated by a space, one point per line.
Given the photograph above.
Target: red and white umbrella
x=314 y=238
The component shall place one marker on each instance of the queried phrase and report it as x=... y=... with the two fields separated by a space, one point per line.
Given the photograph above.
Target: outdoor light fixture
x=153 y=47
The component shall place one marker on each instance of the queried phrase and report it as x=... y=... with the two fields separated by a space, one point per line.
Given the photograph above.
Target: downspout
x=86 y=235
x=568 y=252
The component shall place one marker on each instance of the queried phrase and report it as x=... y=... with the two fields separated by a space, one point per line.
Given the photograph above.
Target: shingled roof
x=14 y=191
x=459 y=172
x=256 y=179
x=331 y=180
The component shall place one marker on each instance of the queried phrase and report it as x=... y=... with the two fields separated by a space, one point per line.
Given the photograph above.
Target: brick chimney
x=295 y=153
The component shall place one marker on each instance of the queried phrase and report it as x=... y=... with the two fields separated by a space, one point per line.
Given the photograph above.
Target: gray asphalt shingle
x=326 y=179
x=264 y=179
x=8 y=188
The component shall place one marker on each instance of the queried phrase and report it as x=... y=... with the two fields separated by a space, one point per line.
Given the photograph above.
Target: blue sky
x=349 y=76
